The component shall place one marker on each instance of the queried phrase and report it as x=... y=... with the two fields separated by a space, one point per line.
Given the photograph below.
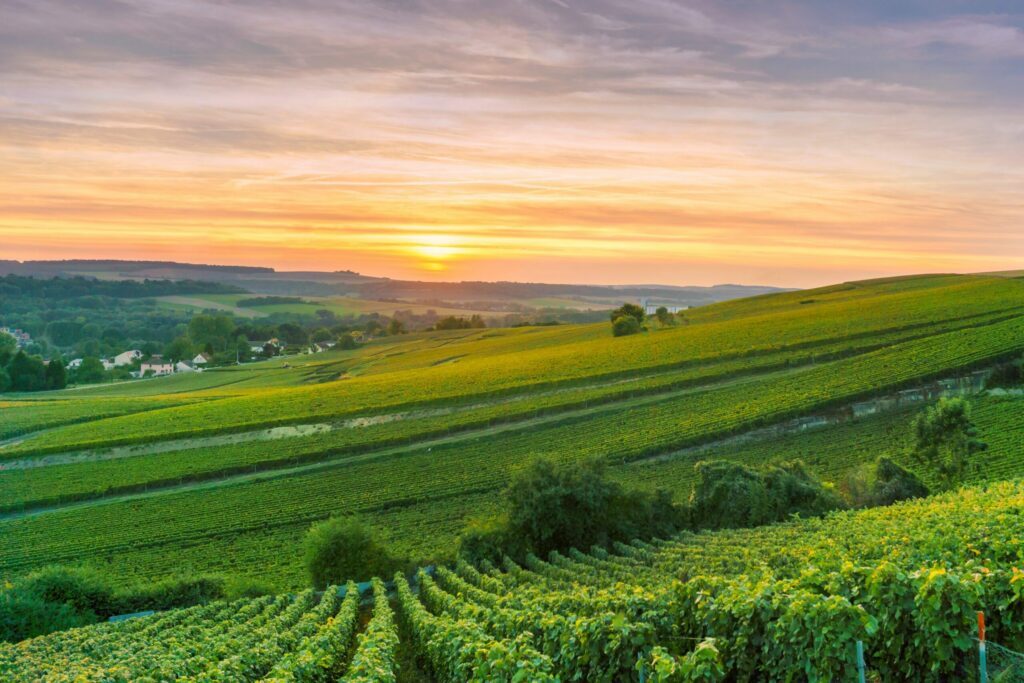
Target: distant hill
x=259 y=280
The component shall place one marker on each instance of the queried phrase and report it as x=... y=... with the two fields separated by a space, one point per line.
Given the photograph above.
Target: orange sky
x=651 y=141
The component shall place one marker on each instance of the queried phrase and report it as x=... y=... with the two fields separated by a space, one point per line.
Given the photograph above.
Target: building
x=156 y=366
x=74 y=363
x=21 y=338
x=202 y=359
x=186 y=366
x=652 y=308
x=125 y=358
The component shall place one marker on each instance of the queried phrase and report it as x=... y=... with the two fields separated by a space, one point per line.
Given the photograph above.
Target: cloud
x=975 y=35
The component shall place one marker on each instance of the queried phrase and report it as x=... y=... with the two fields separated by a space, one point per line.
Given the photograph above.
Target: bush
x=84 y=590
x=555 y=507
x=24 y=615
x=342 y=549
x=173 y=592
x=729 y=495
x=894 y=483
x=625 y=325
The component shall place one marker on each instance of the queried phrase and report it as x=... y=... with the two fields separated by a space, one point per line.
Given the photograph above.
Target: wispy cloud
x=696 y=133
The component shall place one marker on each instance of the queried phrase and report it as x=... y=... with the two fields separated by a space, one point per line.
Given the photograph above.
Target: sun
x=435 y=250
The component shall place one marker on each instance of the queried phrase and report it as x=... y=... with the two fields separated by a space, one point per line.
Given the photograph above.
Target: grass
x=475 y=406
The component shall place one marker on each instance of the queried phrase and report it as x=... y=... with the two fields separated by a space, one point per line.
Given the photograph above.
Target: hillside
x=225 y=470
x=905 y=581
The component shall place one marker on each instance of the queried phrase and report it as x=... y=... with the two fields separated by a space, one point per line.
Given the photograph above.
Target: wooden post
x=982 y=658
x=860 y=662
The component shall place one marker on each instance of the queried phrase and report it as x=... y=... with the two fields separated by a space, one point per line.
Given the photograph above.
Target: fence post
x=860 y=662
x=982 y=659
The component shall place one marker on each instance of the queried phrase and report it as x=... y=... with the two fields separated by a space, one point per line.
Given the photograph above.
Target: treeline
x=20 y=371
x=61 y=289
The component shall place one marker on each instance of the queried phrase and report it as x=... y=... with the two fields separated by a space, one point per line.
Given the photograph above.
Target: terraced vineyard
x=906 y=581
x=227 y=468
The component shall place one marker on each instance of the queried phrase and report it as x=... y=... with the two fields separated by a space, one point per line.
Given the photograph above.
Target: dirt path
x=309 y=429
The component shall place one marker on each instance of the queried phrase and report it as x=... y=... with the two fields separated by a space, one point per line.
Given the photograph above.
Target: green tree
x=557 y=507
x=56 y=375
x=5 y=380
x=8 y=344
x=630 y=310
x=946 y=440
x=321 y=335
x=894 y=483
x=343 y=548
x=90 y=371
x=27 y=372
x=347 y=342
x=396 y=326
x=211 y=330
x=64 y=332
x=625 y=325
x=728 y=494
x=180 y=349
x=664 y=317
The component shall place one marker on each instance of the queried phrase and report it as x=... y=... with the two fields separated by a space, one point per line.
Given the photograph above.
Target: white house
x=201 y=359
x=651 y=309
x=74 y=363
x=125 y=358
x=185 y=366
x=156 y=365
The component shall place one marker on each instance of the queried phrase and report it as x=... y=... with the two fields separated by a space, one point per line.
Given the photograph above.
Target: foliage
x=893 y=483
x=625 y=325
x=375 y=657
x=729 y=495
x=24 y=615
x=343 y=549
x=947 y=441
x=628 y=310
x=553 y=507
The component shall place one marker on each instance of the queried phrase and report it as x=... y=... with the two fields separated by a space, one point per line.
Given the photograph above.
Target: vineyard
x=906 y=581
x=127 y=475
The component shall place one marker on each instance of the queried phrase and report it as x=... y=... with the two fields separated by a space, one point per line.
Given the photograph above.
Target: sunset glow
x=547 y=140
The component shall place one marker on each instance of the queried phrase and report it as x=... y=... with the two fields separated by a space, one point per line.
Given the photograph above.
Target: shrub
x=554 y=507
x=84 y=590
x=343 y=548
x=728 y=494
x=894 y=483
x=24 y=615
x=624 y=326
x=173 y=592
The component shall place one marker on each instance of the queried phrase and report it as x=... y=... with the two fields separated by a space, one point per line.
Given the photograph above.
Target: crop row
x=480 y=466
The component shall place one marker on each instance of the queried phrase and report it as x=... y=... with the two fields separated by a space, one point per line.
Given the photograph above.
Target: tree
x=630 y=310
x=90 y=371
x=625 y=325
x=292 y=334
x=27 y=372
x=729 y=495
x=558 y=507
x=320 y=335
x=347 y=342
x=396 y=327
x=343 y=548
x=664 y=317
x=179 y=349
x=8 y=343
x=5 y=380
x=56 y=375
x=213 y=330
x=946 y=440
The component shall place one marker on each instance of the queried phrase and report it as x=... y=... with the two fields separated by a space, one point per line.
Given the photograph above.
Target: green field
x=904 y=581
x=226 y=469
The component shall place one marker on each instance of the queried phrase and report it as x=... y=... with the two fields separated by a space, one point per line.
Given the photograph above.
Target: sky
x=642 y=141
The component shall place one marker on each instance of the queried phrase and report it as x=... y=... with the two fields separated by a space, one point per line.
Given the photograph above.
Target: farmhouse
x=156 y=365
x=651 y=309
x=202 y=359
x=74 y=363
x=186 y=366
x=125 y=358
